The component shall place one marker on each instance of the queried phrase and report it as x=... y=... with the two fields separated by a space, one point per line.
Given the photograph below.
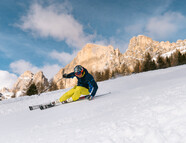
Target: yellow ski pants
x=75 y=93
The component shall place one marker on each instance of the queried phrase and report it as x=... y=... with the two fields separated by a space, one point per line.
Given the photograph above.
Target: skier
x=86 y=85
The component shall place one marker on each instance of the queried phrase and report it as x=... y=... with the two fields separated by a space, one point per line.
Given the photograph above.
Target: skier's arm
x=95 y=87
x=70 y=75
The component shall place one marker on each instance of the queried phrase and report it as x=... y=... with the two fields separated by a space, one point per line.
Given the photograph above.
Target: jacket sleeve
x=70 y=75
x=94 y=85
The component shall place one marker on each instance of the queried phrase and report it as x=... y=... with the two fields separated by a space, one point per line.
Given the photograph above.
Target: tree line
x=161 y=62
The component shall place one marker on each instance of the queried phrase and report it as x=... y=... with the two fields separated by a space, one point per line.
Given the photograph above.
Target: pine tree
x=53 y=86
x=107 y=74
x=98 y=76
x=153 y=65
x=124 y=69
x=168 y=62
x=148 y=63
x=184 y=58
x=137 y=67
x=161 y=63
x=181 y=58
x=32 y=90
x=174 y=58
x=40 y=87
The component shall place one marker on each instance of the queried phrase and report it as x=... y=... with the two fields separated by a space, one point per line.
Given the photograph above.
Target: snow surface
x=149 y=107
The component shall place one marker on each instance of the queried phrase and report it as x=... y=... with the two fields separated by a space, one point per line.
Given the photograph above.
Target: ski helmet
x=78 y=70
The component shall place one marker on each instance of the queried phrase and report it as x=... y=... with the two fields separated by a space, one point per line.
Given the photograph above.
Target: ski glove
x=65 y=75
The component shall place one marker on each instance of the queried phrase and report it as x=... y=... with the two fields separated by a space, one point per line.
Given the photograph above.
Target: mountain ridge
x=98 y=58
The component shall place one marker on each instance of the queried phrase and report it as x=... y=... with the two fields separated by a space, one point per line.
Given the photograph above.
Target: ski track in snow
x=142 y=108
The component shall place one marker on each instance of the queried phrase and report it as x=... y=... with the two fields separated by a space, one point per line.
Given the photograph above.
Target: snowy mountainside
x=143 y=108
x=181 y=49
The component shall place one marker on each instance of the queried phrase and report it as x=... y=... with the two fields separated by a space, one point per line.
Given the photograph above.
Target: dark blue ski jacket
x=86 y=81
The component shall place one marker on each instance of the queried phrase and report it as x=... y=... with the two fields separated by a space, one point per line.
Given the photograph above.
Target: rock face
x=94 y=58
x=23 y=83
x=140 y=45
x=40 y=81
x=26 y=79
x=6 y=93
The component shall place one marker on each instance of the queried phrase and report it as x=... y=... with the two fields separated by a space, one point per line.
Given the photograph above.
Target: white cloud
x=50 y=70
x=21 y=66
x=135 y=28
x=54 y=21
x=7 y=79
x=63 y=58
x=165 y=25
x=161 y=26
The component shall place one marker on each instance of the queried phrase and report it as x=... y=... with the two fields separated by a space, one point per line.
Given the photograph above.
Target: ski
x=46 y=106
x=34 y=107
x=49 y=105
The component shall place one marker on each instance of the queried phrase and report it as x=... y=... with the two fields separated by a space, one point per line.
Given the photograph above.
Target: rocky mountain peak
x=6 y=93
x=38 y=77
x=140 y=41
x=28 y=78
x=23 y=81
x=95 y=58
x=141 y=44
x=40 y=81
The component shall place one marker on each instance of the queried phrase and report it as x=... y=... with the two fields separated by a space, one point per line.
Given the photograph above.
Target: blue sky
x=47 y=34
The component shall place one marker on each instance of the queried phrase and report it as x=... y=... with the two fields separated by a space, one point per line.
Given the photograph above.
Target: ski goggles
x=79 y=73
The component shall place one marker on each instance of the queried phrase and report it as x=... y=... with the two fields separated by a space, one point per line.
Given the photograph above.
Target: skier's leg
x=68 y=94
x=79 y=91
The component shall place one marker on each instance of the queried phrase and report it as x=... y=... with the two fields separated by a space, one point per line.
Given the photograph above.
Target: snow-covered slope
x=148 y=107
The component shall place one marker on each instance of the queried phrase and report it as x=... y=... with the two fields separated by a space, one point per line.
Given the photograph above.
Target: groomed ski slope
x=148 y=107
